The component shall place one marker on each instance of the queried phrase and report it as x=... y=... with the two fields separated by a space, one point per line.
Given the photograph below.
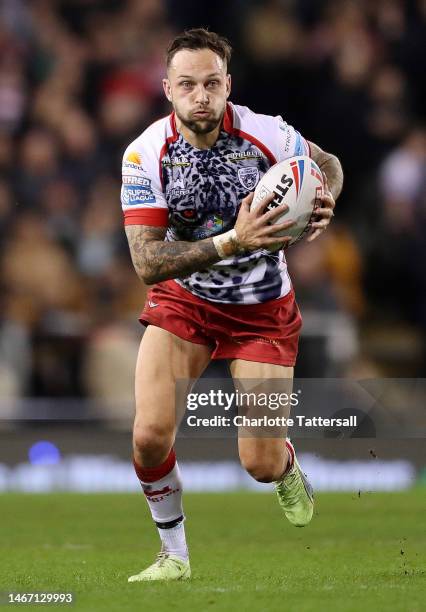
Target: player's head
x=198 y=83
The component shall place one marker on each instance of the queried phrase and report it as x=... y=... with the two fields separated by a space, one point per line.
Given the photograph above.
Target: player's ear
x=167 y=89
x=228 y=85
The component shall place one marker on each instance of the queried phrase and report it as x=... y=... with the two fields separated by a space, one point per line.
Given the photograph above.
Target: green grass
x=359 y=553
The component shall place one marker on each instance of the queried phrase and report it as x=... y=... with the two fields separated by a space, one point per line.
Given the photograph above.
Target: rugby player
x=220 y=288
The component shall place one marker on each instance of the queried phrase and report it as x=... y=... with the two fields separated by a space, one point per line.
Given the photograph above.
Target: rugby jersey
x=196 y=194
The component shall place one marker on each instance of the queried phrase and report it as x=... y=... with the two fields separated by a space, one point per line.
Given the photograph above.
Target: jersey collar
x=228 y=119
x=175 y=133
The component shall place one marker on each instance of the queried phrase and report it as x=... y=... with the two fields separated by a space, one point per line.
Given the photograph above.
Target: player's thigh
x=273 y=383
x=164 y=359
x=241 y=368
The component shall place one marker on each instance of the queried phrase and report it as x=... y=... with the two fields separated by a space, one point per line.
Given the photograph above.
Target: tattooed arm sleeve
x=155 y=260
x=331 y=166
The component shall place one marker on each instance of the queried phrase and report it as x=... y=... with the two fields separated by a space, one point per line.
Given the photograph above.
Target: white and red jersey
x=196 y=194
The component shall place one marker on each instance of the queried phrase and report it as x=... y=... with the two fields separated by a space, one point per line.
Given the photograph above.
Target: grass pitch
x=360 y=553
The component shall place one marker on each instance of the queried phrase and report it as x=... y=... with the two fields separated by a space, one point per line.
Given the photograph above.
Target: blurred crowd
x=79 y=79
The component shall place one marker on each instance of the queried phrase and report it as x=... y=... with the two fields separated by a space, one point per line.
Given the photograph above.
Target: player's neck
x=200 y=141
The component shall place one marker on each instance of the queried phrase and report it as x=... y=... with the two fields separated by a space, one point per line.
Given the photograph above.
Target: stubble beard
x=201 y=126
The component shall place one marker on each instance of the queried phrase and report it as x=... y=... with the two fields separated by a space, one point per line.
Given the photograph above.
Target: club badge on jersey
x=249 y=177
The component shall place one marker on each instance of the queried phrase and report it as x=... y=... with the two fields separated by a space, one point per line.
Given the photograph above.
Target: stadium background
x=79 y=79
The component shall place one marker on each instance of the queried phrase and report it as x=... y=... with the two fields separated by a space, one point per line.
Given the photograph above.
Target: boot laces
x=161 y=558
x=289 y=487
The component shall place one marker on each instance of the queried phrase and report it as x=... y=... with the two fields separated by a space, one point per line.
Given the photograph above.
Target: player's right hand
x=254 y=227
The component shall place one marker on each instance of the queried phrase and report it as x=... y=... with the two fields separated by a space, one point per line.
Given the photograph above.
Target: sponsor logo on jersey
x=132 y=195
x=178 y=192
x=177 y=161
x=242 y=155
x=249 y=177
x=134 y=158
x=130 y=179
x=298 y=169
x=130 y=165
x=284 y=128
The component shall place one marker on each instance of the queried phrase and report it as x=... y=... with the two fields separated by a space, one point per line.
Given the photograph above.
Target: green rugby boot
x=165 y=567
x=295 y=493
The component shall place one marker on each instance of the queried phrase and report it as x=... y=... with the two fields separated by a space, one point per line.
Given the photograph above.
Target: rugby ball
x=297 y=182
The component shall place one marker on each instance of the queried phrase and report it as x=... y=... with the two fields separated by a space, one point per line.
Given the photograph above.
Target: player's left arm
x=333 y=183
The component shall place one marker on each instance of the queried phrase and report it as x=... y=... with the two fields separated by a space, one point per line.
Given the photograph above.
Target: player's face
x=198 y=87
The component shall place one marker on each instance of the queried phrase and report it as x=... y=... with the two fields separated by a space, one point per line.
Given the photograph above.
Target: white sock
x=164 y=498
x=174 y=541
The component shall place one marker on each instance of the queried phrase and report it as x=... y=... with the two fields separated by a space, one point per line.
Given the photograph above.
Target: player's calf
x=264 y=470
x=151 y=444
x=265 y=459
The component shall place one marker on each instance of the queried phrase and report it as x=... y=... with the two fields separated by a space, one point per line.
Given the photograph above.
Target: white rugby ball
x=297 y=182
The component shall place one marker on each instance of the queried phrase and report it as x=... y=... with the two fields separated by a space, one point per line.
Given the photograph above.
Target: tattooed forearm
x=155 y=260
x=331 y=167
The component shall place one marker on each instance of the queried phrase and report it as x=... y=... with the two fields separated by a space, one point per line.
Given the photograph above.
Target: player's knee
x=151 y=444
x=261 y=470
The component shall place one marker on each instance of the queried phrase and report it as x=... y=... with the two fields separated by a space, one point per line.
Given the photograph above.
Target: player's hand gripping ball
x=298 y=183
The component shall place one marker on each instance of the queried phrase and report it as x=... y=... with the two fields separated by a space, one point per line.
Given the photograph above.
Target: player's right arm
x=156 y=260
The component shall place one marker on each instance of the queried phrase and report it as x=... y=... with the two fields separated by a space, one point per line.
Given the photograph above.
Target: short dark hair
x=199 y=38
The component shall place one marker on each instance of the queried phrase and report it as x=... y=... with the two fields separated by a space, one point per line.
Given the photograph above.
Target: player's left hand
x=324 y=213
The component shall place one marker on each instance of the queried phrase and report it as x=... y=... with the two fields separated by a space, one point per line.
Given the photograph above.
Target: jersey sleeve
x=142 y=199
x=290 y=142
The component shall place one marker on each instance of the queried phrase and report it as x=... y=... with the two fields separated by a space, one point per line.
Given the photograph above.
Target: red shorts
x=267 y=332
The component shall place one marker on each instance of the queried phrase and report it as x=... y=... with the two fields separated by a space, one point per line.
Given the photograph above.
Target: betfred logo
x=157 y=495
x=130 y=179
x=153 y=493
